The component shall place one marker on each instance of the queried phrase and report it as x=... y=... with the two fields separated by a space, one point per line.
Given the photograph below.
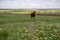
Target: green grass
x=16 y=27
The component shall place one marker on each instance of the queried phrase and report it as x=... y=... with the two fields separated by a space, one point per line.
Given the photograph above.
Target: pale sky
x=17 y=4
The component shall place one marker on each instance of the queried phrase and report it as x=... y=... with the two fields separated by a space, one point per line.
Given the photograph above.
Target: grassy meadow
x=17 y=25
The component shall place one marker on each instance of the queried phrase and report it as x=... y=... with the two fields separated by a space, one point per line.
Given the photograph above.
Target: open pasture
x=29 y=11
x=22 y=27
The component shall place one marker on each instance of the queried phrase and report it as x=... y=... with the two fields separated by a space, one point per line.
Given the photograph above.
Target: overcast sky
x=17 y=4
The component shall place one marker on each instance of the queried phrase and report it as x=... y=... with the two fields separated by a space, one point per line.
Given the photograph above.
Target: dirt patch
x=31 y=29
x=49 y=14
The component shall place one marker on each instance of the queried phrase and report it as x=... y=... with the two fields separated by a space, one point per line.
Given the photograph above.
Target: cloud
x=16 y=4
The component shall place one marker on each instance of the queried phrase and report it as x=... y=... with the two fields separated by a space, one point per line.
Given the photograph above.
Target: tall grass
x=16 y=27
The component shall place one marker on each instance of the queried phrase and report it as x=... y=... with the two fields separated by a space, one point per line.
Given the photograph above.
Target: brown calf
x=33 y=14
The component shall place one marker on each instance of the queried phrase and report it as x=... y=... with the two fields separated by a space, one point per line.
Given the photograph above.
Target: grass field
x=22 y=27
x=29 y=11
